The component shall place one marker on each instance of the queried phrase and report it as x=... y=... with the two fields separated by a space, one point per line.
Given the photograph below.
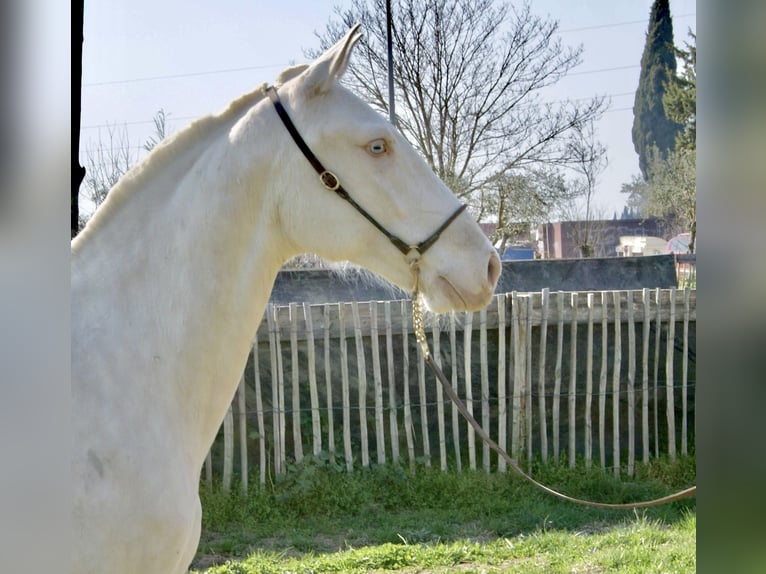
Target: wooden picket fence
x=347 y=381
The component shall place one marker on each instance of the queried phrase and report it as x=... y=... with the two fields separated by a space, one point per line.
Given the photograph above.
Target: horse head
x=387 y=178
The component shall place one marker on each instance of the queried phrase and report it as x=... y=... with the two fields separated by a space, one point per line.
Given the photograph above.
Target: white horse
x=171 y=276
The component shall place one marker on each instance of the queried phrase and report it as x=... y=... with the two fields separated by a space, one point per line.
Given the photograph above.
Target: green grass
x=320 y=519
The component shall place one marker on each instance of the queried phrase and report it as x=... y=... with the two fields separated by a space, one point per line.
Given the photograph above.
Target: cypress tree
x=680 y=98
x=653 y=132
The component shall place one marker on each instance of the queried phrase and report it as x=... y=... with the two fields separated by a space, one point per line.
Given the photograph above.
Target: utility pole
x=391 y=111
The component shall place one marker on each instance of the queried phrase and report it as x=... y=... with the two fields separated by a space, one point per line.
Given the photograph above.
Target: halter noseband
x=330 y=181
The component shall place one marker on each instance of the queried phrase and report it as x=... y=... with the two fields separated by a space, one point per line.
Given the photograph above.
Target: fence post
x=455 y=418
x=423 y=404
x=616 y=385
x=572 y=395
x=647 y=303
x=392 y=417
x=527 y=322
x=276 y=386
x=408 y=429
x=631 y=386
x=361 y=377
x=557 y=373
x=380 y=432
x=242 y=417
x=502 y=401
x=602 y=380
x=228 y=449
x=316 y=424
x=328 y=381
x=657 y=340
x=345 y=390
x=436 y=347
x=467 y=333
x=209 y=469
x=519 y=369
x=484 y=387
x=669 y=382
x=296 y=395
x=589 y=386
x=685 y=374
x=259 y=411
x=542 y=377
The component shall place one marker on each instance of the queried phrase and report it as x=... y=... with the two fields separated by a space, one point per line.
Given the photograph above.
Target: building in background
x=559 y=240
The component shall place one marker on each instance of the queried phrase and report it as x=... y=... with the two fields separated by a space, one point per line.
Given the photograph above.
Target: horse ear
x=331 y=65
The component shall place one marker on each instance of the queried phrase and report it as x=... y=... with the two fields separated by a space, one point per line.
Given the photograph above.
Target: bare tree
x=589 y=161
x=161 y=130
x=107 y=160
x=468 y=77
x=588 y=233
x=524 y=199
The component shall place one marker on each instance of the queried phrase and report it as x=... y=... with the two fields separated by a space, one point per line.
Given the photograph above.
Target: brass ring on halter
x=329 y=180
x=413 y=256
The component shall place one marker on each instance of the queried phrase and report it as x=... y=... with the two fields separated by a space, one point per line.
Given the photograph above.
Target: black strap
x=271 y=90
x=330 y=181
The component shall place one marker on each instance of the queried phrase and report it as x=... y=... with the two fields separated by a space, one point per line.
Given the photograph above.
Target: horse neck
x=177 y=276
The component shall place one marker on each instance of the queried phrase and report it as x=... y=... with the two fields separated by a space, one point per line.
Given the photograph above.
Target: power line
x=184 y=118
x=616 y=24
x=176 y=76
x=230 y=70
x=264 y=66
x=600 y=70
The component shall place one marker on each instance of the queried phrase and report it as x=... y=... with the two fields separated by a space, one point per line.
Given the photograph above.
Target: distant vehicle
x=517 y=252
x=679 y=243
x=633 y=245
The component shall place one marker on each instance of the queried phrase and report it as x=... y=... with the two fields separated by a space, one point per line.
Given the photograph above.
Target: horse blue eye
x=377 y=147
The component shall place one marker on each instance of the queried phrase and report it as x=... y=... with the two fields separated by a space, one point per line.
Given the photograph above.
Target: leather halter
x=330 y=182
x=412 y=254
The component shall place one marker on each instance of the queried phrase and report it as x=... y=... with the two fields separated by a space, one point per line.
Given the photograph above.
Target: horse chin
x=445 y=296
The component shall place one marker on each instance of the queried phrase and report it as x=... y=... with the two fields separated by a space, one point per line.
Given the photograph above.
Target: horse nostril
x=493 y=269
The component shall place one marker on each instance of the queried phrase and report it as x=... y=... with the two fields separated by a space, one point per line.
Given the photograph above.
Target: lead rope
x=418 y=324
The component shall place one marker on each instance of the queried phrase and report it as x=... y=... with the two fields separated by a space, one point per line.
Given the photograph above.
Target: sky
x=193 y=57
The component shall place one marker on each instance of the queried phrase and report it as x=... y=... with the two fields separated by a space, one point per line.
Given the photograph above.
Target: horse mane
x=169 y=148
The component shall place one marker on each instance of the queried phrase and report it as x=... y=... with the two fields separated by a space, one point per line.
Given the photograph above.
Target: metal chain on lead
x=418 y=319
x=418 y=323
